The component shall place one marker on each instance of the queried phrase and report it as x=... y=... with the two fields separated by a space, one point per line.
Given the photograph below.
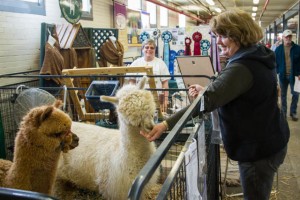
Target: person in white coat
x=159 y=68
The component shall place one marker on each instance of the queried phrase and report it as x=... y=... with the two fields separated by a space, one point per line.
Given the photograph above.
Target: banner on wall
x=134 y=25
x=120 y=15
x=120 y=18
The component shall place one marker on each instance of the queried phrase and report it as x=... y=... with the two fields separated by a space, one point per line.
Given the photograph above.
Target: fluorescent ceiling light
x=254 y=8
x=218 y=10
x=210 y=2
x=255 y=1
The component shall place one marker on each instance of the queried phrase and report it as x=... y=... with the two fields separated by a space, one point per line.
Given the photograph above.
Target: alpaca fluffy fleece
x=44 y=133
x=108 y=160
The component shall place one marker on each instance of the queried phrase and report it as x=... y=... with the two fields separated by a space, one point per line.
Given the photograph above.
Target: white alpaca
x=108 y=160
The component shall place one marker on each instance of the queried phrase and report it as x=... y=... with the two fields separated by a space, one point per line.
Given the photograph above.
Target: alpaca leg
x=4 y=167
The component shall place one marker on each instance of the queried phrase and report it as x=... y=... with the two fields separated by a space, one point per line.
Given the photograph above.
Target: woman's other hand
x=195 y=89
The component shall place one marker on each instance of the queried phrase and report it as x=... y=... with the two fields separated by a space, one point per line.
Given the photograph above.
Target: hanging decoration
x=155 y=35
x=187 y=42
x=214 y=53
x=180 y=52
x=166 y=38
x=144 y=36
x=71 y=10
x=173 y=55
x=197 y=36
x=205 y=45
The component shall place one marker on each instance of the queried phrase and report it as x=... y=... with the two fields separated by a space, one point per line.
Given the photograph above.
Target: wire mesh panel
x=9 y=126
x=175 y=186
x=174 y=177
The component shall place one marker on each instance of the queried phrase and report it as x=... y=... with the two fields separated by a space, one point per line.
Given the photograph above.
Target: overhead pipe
x=222 y=5
x=176 y=10
x=207 y=10
x=264 y=9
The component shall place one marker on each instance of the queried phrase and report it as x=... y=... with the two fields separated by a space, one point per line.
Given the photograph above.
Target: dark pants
x=295 y=96
x=257 y=177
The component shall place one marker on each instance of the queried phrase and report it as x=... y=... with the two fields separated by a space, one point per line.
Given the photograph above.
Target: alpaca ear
x=58 y=104
x=142 y=83
x=46 y=114
x=114 y=100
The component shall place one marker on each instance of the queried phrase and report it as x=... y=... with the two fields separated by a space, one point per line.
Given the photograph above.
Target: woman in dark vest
x=254 y=131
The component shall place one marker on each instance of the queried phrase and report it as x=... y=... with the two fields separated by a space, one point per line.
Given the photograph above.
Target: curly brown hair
x=238 y=26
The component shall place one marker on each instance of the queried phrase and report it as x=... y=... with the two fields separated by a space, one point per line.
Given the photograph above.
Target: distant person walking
x=276 y=44
x=288 y=67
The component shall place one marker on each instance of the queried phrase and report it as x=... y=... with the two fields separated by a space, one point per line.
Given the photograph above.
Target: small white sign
x=297 y=85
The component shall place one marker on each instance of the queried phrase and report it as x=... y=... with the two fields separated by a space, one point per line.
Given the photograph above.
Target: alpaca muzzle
x=70 y=141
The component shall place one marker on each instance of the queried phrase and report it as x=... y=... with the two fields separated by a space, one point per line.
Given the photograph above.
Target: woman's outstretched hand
x=195 y=89
x=155 y=133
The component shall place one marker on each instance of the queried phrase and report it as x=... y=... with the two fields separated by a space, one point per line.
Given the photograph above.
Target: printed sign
x=71 y=10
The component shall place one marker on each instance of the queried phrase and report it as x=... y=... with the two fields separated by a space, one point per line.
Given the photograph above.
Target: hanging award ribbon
x=180 y=52
x=173 y=55
x=187 y=42
x=197 y=38
x=166 y=38
x=144 y=36
x=205 y=45
x=155 y=35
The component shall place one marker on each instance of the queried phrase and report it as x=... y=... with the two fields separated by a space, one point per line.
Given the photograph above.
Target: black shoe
x=294 y=117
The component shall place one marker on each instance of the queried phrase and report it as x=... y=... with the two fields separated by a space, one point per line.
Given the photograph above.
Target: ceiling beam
x=176 y=10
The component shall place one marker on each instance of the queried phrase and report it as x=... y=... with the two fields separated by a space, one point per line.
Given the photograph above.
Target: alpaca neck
x=132 y=139
x=130 y=133
x=30 y=154
x=33 y=168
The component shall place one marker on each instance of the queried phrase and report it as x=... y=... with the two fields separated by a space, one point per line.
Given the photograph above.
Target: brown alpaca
x=45 y=132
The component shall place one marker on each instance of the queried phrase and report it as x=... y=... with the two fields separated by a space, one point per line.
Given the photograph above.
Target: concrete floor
x=288 y=174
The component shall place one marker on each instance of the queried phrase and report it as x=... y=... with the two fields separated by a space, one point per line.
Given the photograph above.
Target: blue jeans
x=257 y=177
x=295 y=96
